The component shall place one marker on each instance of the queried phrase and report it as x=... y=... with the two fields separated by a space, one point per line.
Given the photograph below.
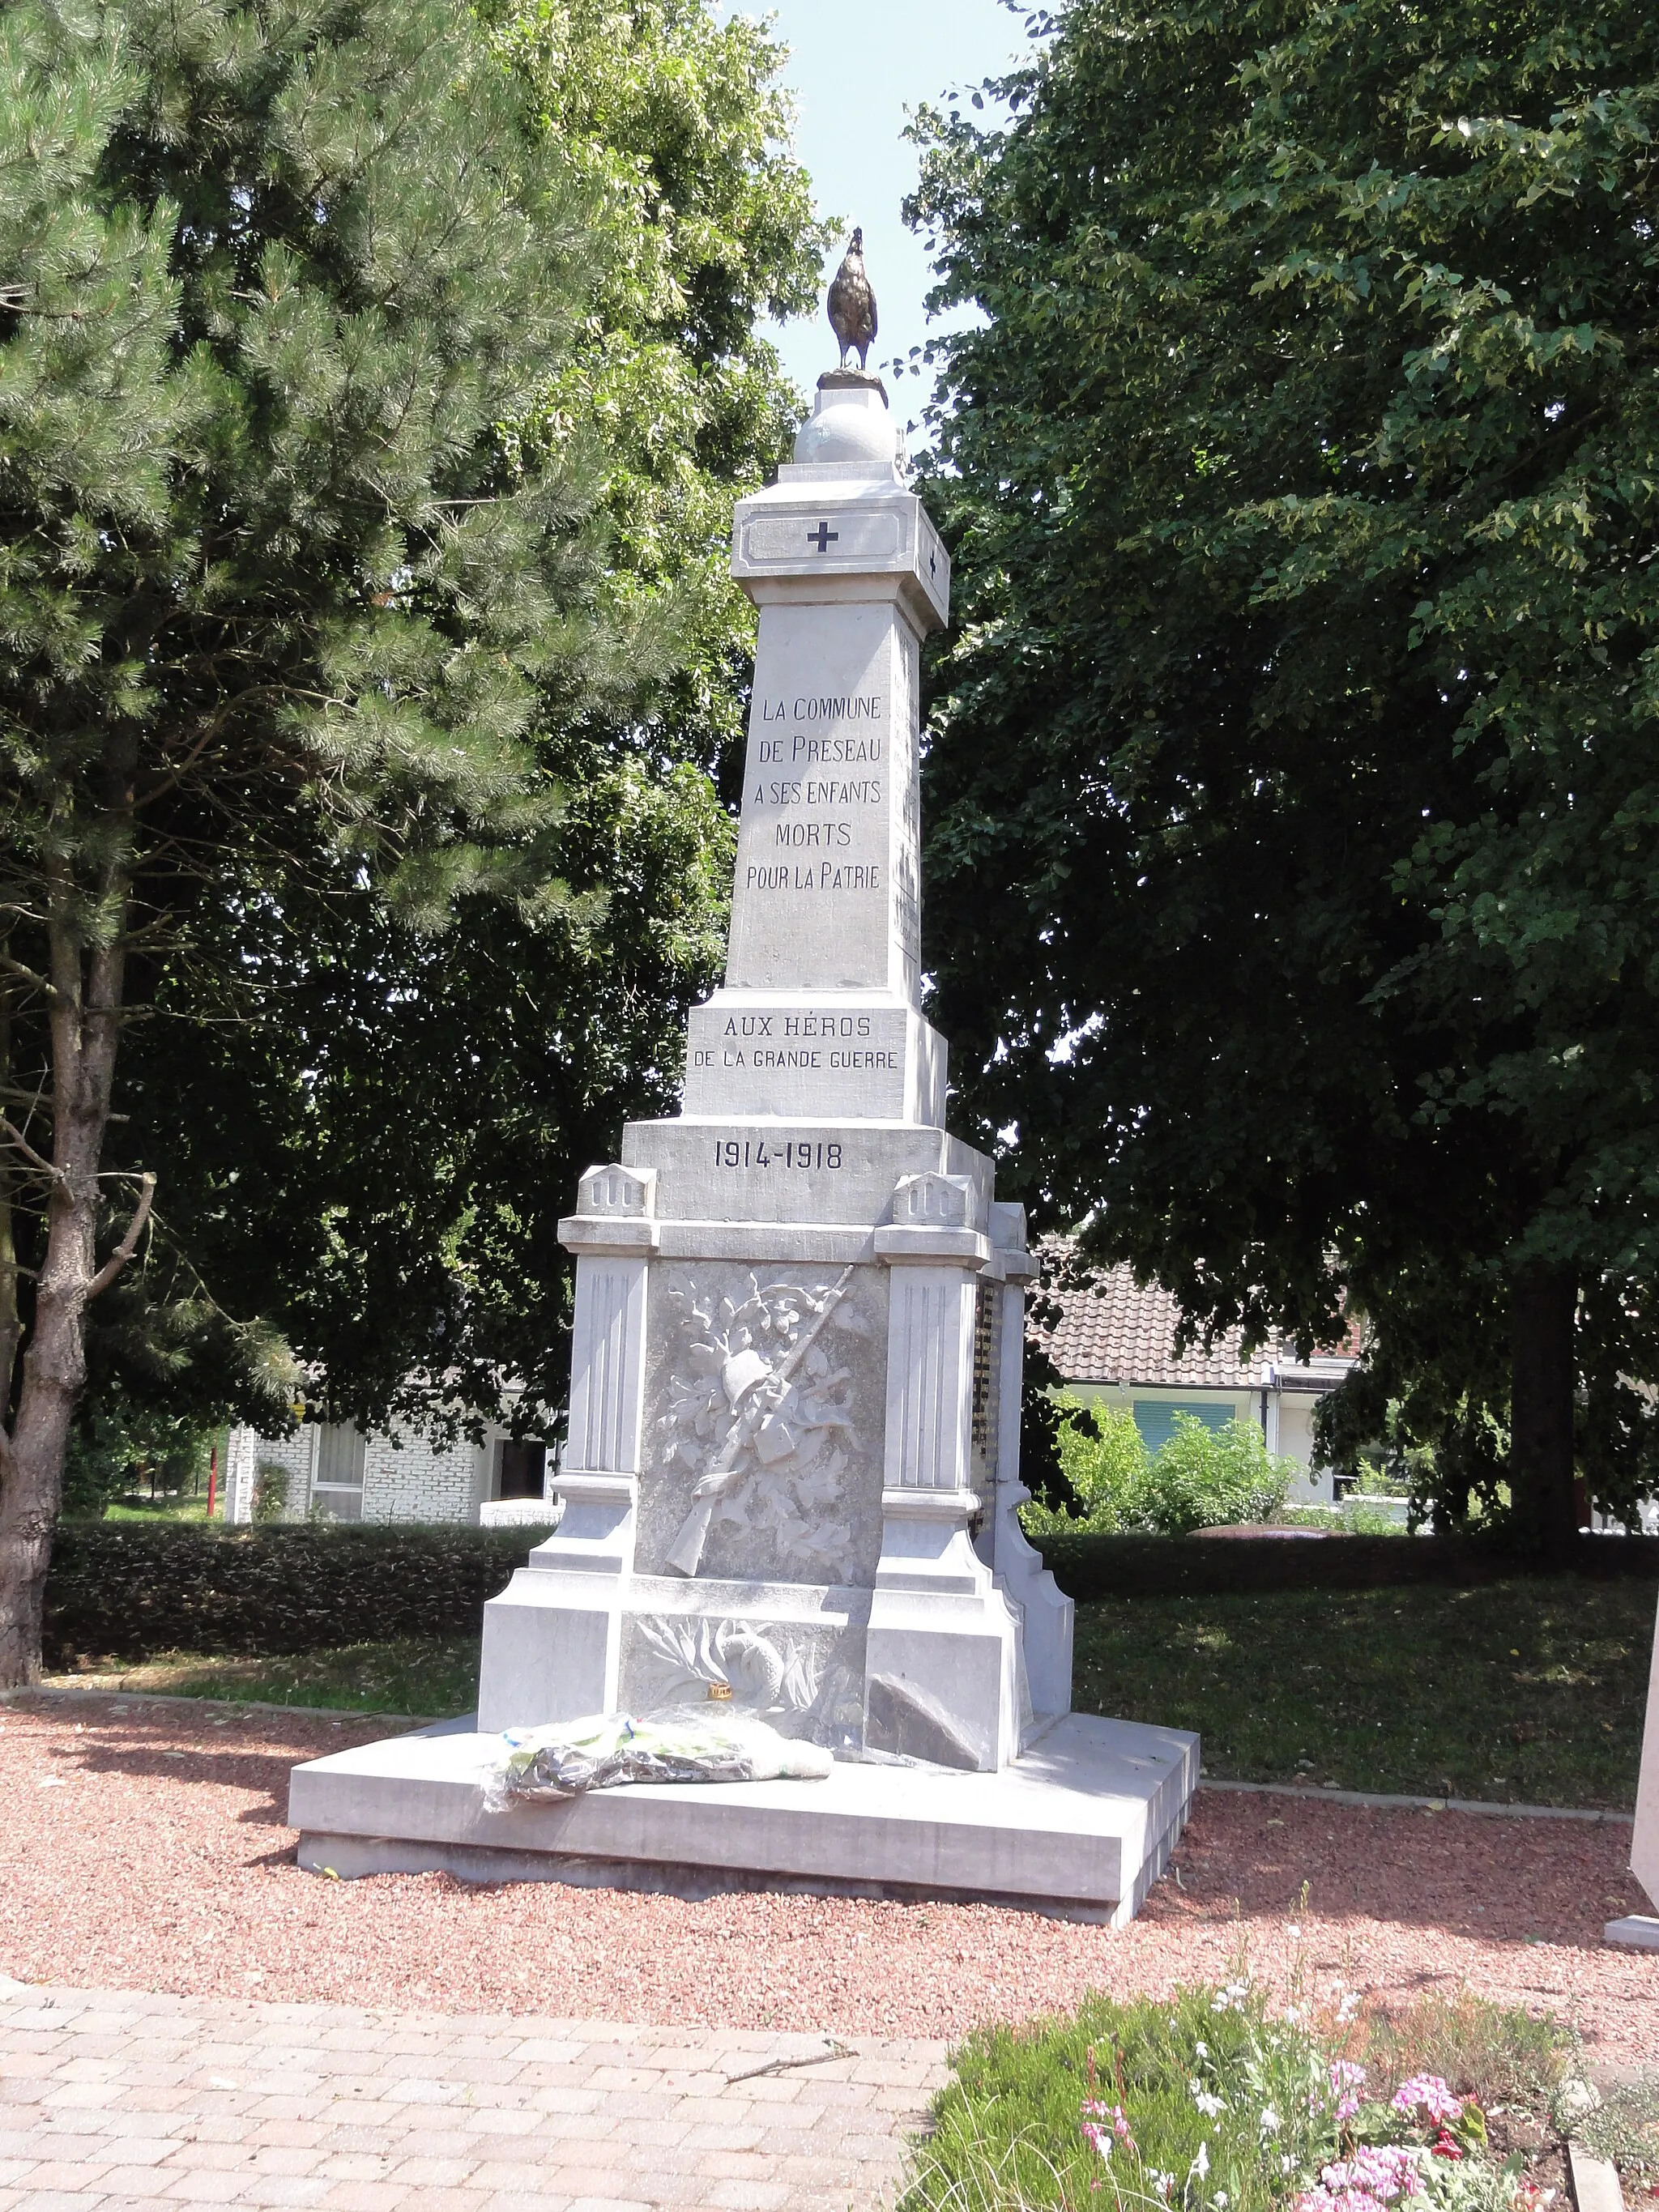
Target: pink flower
x=1344 y=2074
x=1096 y=2136
x=1384 y=2172
x=1340 y=2200
x=1428 y=2093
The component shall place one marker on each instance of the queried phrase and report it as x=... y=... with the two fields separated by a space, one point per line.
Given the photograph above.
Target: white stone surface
x=1084 y=1820
x=1594 y=2181
x=822 y=1056
x=793 y=1465
x=1637 y=1931
x=831 y=1174
x=1644 y=1843
x=607 y=1365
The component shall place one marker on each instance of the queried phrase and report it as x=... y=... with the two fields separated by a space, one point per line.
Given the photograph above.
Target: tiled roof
x=1110 y=1331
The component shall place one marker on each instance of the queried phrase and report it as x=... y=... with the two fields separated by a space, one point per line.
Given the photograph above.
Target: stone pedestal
x=1641 y=1930
x=791 y=1471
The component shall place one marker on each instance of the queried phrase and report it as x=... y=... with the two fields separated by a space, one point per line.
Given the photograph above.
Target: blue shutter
x=1155 y=1417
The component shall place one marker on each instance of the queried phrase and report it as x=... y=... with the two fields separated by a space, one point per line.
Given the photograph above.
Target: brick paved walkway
x=120 y=2100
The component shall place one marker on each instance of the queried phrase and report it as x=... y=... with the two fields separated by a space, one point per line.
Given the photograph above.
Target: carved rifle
x=685 y=1554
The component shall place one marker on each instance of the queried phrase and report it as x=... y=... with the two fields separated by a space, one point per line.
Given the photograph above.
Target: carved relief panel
x=765 y=1403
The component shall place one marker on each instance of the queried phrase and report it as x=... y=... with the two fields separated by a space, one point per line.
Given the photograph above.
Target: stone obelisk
x=798 y=1330
x=792 y=1467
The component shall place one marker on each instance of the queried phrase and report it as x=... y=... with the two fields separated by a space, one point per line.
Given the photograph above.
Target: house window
x=1155 y=1417
x=520 y=1468
x=337 y=1486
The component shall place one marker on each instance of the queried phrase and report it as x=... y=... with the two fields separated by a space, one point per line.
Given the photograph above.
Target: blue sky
x=855 y=67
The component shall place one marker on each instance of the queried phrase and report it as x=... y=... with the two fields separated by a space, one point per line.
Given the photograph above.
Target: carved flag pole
x=685 y=1555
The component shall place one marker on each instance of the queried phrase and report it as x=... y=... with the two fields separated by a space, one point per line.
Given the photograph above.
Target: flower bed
x=1211 y=2103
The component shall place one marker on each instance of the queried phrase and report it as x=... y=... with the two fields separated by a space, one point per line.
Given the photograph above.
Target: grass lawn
x=139 y=1507
x=1531 y=1692
x=427 y=1678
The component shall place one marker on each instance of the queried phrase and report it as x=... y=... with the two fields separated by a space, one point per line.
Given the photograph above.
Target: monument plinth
x=792 y=1466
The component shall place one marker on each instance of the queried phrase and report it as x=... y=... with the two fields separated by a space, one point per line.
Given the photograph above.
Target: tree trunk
x=85 y=1020
x=1542 y=1390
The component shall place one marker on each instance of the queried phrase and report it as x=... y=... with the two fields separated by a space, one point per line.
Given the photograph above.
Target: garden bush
x=1203 y=1478
x=1208 y=2101
x=127 y=1591
x=1087 y=1564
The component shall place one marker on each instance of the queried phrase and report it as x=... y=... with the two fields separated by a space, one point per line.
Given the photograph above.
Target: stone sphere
x=851 y=428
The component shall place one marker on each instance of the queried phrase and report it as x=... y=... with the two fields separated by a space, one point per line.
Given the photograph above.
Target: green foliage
x=1292 y=790
x=1500 y=2055
x=1104 y=1460
x=117 y=1445
x=414 y=1108
x=1624 y=2126
x=1203 y=2098
x=271 y=1485
x=1007 y=2131
x=1207 y=1478
x=1202 y=1478
x=1523 y=1691
x=129 y=1590
x=280 y=604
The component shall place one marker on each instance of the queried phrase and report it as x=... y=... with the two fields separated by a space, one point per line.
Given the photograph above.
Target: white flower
x=1200 y=2165
x=1221 y=2199
x=1287 y=2165
x=1348 y=2007
x=1269 y=2121
x=1202 y=2048
x=1291 y=1928
x=1207 y=2103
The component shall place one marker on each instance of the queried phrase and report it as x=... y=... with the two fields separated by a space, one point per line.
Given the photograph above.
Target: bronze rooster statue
x=853 y=304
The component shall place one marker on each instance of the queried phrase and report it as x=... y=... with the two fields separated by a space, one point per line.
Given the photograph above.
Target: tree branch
x=128 y=1245
x=35 y=1159
x=11 y=966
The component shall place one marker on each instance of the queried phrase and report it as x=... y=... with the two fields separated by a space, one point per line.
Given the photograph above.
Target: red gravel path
x=143 y=1847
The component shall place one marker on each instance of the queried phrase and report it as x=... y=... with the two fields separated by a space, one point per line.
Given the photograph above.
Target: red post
x=213 y=1478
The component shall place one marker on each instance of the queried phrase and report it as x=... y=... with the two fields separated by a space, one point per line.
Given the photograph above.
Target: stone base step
x=1081 y=1824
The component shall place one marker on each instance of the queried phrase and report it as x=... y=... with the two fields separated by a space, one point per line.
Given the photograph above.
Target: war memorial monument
x=791 y=1471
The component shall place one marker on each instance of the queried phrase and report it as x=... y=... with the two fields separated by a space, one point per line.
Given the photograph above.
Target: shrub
x=1207 y=1478
x=1206 y=2102
x=272 y=1485
x=1105 y=1462
x=1203 y=1478
x=123 y=1589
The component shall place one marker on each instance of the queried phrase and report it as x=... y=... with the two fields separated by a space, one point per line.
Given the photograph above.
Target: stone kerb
x=1644 y=1841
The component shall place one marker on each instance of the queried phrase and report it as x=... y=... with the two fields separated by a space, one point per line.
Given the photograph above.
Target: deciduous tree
x=1292 y=885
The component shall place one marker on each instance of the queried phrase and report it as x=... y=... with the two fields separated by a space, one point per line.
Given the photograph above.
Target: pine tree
x=274 y=590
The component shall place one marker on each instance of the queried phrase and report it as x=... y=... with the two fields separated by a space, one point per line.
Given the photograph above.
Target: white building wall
x=248 y=1452
x=404 y=1479
x=409 y=1479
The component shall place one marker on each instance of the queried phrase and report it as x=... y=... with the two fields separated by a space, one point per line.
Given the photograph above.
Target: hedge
x=1092 y=1566
x=124 y=1590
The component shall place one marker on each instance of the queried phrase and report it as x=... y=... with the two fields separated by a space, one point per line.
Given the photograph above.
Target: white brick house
x=336 y=1470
